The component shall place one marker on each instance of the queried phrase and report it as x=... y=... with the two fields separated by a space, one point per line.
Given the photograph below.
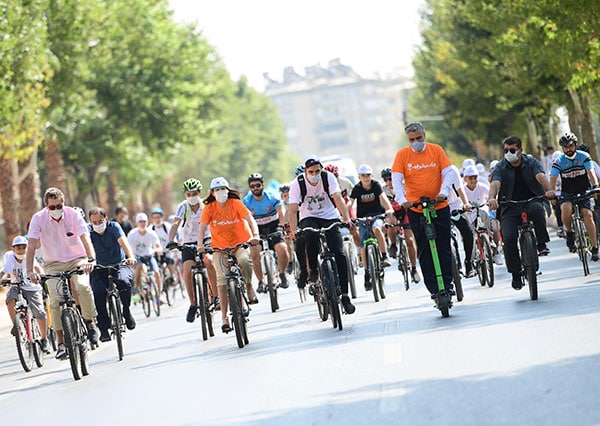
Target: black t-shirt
x=521 y=191
x=367 y=200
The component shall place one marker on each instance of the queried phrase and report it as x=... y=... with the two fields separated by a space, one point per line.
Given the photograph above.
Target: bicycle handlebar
x=521 y=202
x=115 y=266
x=65 y=274
x=578 y=197
x=227 y=250
x=425 y=201
x=369 y=218
x=320 y=230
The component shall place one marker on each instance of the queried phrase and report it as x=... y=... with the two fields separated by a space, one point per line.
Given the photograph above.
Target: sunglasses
x=56 y=207
x=256 y=185
x=511 y=150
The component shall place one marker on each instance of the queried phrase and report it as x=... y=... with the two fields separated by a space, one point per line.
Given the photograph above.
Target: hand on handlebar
x=440 y=197
x=493 y=204
x=34 y=277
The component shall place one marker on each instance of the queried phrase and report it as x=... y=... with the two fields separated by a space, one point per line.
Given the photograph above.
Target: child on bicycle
x=13 y=270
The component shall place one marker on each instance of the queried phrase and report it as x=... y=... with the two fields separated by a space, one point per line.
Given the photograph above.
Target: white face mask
x=417 y=146
x=193 y=201
x=511 y=158
x=20 y=256
x=56 y=214
x=221 y=196
x=100 y=228
x=314 y=178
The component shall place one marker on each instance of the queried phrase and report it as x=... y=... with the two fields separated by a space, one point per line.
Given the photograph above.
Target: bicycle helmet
x=386 y=172
x=333 y=169
x=299 y=170
x=284 y=188
x=192 y=184
x=567 y=139
x=157 y=210
x=255 y=176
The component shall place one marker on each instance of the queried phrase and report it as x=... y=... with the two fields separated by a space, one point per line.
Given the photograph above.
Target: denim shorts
x=362 y=228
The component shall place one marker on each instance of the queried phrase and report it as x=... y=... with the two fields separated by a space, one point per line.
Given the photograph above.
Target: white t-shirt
x=12 y=266
x=478 y=196
x=316 y=202
x=189 y=229
x=162 y=231
x=143 y=245
x=455 y=182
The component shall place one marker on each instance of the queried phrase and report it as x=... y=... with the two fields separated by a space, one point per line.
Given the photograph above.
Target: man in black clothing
x=122 y=218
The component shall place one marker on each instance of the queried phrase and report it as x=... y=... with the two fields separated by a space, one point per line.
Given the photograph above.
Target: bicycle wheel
x=236 y=311
x=370 y=267
x=350 y=267
x=116 y=320
x=52 y=338
x=201 y=303
x=206 y=303
x=456 y=276
x=244 y=307
x=478 y=260
x=167 y=284
x=69 y=323
x=268 y=271
x=380 y=274
x=321 y=302
x=154 y=296
x=329 y=275
x=403 y=262
x=529 y=260
x=488 y=259
x=24 y=347
x=146 y=297
x=580 y=243
x=83 y=347
x=38 y=354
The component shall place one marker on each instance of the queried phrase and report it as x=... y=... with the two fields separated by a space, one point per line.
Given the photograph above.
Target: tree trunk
x=165 y=197
x=29 y=189
x=56 y=175
x=531 y=135
x=587 y=127
x=576 y=116
x=10 y=199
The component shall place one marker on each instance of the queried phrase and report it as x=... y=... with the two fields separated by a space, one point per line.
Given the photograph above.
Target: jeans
x=99 y=282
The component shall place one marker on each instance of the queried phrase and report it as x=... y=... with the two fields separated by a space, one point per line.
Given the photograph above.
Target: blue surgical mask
x=417 y=146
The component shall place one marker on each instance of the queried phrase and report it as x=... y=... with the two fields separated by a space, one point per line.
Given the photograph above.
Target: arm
x=89 y=250
x=254 y=239
x=397 y=179
x=592 y=176
x=341 y=206
x=494 y=188
x=201 y=231
x=124 y=243
x=385 y=202
x=541 y=178
x=174 y=228
x=292 y=217
x=281 y=215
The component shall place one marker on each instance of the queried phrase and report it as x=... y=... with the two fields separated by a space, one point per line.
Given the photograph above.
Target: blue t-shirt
x=573 y=173
x=108 y=250
x=265 y=210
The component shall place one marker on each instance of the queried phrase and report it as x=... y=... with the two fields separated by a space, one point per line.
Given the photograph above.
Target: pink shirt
x=60 y=240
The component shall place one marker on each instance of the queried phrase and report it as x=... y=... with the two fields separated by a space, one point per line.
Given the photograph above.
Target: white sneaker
x=498 y=259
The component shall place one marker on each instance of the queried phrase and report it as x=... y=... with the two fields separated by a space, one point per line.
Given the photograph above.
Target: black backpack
x=302 y=183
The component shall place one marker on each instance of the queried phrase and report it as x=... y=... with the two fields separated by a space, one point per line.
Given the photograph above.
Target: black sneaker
x=313 y=278
x=517 y=284
x=368 y=285
x=595 y=254
x=129 y=320
x=191 y=315
x=302 y=279
x=61 y=352
x=93 y=334
x=44 y=346
x=543 y=250
x=284 y=283
x=261 y=288
x=104 y=336
x=348 y=306
x=571 y=241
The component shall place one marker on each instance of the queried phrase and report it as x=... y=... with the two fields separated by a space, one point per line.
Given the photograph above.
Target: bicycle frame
x=371 y=243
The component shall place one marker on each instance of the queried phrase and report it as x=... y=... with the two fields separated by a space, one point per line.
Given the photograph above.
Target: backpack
x=164 y=227
x=302 y=183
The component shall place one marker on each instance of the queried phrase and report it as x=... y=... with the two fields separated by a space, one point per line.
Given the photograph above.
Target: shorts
x=275 y=229
x=402 y=218
x=189 y=255
x=34 y=300
x=149 y=261
x=163 y=258
x=362 y=228
x=583 y=204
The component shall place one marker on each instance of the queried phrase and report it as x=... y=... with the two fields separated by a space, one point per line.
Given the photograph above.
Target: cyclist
x=371 y=201
x=268 y=213
x=13 y=268
x=284 y=191
x=162 y=229
x=423 y=170
x=577 y=175
x=111 y=247
x=400 y=216
x=146 y=245
x=320 y=204
x=231 y=223
x=122 y=218
x=66 y=245
x=517 y=177
x=187 y=216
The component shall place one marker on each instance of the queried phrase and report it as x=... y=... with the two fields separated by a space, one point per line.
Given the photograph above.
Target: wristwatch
x=91 y=259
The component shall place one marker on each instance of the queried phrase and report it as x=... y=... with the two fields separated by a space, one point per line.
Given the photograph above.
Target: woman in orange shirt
x=231 y=223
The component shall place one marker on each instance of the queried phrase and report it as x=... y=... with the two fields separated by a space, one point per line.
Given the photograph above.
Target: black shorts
x=189 y=254
x=273 y=230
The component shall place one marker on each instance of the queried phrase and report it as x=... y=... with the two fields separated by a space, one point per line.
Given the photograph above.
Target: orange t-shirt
x=422 y=172
x=227 y=224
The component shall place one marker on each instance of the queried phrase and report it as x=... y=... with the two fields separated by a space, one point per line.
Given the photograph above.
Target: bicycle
x=351 y=262
x=168 y=279
x=404 y=265
x=115 y=310
x=204 y=298
x=51 y=333
x=443 y=299
x=582 y=240
x=268 y=260
x=373 y=260
x=239 y=307
x=28 y=337
x=327 y=290
x=74 y=328
x=149 y=292
x=527 y=245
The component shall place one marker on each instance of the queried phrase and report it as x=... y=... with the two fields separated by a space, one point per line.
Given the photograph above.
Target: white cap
x=219 y=182
x=19 y=240
x=365 y=169
x=141 y=217
x=468 y=162
x=470 y=171
x=310 y=160
x=480 y=168
x=493 y=164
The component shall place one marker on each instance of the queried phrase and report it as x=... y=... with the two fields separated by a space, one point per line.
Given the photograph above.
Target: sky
x=258 y=36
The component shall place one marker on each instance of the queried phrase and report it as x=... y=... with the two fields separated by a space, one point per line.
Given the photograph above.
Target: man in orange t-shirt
x=422 y=170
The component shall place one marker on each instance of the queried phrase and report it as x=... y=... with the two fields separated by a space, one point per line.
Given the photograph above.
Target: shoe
x=226 y=328
x=162 y=300
x=289 y=268
x=191 y=315
x=393 y=251
x=498 y=259
x=595 y=254
x=93 y=333
x=571 y=242
x=561 y=232
x=313 y=278
x=469 y=272
x=368 y=285
x=13 y=330
x=385 y=262
x=261 y=287
x=44 y=345
x=284 y=283
x=104 y=336
x=348 y=306
x=415 y=275
x=543 y=250
x=129 y=320
x=517 y=284
x=215 y=304
x=253 y=301
x=302 y=279
x=61 y=352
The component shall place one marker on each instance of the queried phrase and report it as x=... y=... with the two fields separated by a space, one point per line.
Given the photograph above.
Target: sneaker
x=284 y=283
x=469 y=271
x=302 y=279
x=104 y=336
x=61 y=352
x=261 y=288
x=543 y=250
x=348 y=306
x=561 y=232
x=393 y=251
x=191 y=315
x=93 y=334
x=571 y=242
x=368 y=285
x=415 y=275
x=385 y=262
x=215 y=304
x=595 y=254
x=162 y=300
x=517 y=284
x=313 y=278
x=44 y=345
x=129 y=320
x=498 y=259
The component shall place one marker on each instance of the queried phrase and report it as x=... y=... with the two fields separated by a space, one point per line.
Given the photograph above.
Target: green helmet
x=192 y=185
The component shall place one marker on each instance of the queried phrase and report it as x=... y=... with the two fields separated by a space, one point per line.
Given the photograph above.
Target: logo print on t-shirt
x=315 y=199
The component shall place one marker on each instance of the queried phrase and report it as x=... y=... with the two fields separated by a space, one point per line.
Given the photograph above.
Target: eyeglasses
x=256 y=185
x=511 y=150
x=56 y=207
